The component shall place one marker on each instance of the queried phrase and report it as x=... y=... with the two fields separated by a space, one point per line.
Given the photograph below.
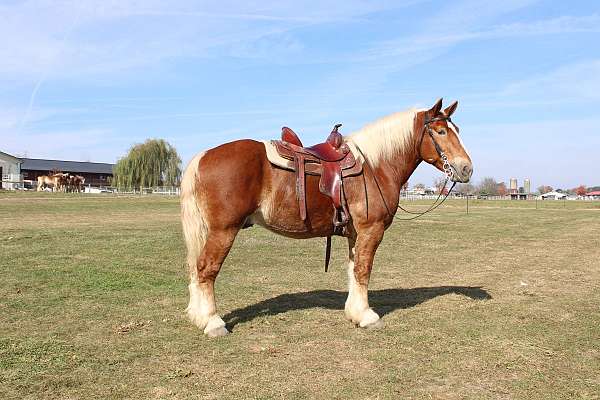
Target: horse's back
x=233 y=162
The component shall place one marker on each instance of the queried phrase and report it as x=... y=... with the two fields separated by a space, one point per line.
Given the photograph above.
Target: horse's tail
x=192 y=216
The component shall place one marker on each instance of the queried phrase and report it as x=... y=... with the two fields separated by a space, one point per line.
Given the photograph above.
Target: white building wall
x=11 y=172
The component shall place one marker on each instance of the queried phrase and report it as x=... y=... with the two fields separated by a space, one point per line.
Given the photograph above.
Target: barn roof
x=36 y=164
x=6 y=155
x=594 y=193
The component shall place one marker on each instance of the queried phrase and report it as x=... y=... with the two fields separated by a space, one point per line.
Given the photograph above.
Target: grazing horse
x=235 y=185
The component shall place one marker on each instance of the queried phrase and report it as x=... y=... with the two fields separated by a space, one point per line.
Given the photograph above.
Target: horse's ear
x=451 y=108
x=435 y=110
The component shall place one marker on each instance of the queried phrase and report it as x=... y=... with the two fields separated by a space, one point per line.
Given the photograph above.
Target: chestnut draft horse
x=235 y=185
x=45 y=181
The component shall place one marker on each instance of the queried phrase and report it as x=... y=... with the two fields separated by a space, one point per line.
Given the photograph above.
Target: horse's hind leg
x=202 y=308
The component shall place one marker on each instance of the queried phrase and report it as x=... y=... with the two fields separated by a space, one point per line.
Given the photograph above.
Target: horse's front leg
x=361 y=252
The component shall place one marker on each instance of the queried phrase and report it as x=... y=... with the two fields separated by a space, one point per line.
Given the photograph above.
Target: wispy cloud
x=11 y=117
x=368 y=71
x=81 y=41
x=79 y=144
x=579 y=81
x=111 y=38
x=434 y=44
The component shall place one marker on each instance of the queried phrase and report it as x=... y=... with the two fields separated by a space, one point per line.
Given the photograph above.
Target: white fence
x=16 y=182
x=12 y=182
x=159 y=190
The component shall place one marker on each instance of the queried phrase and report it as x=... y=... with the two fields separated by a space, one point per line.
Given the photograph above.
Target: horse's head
x=440 y=145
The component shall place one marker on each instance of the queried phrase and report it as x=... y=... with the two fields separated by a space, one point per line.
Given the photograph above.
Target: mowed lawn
x=502 y=303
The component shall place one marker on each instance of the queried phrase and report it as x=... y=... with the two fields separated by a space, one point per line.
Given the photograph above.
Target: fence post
x=467 y=204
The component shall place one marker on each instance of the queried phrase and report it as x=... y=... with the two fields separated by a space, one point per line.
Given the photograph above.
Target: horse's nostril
x=467 y=170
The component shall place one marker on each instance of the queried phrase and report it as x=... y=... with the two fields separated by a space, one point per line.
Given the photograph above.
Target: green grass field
x=502 y=303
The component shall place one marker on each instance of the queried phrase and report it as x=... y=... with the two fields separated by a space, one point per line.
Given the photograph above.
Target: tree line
x=490 y=187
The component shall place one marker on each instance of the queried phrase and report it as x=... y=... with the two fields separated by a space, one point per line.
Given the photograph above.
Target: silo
x=514 y=188
x=527 y=186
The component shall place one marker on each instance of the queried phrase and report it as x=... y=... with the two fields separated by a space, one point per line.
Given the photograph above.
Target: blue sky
x=84 y=80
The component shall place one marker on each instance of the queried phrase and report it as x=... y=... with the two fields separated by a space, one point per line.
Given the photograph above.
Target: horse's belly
x=282 y=223
x=279 y=209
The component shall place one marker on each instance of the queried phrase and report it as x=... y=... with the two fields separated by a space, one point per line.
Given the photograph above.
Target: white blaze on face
x=455 y=130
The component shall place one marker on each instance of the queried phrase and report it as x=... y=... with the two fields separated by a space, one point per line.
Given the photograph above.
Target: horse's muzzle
x=462 y=170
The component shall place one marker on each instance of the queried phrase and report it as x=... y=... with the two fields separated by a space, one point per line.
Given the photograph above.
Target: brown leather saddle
x=332 y=160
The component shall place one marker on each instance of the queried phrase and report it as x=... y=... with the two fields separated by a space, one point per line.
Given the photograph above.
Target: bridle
x=426 y=128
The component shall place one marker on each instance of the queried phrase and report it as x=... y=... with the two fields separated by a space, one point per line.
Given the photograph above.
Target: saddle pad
x=275 y=159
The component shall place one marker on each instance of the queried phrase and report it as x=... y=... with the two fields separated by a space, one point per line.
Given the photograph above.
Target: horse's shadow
x=382 y=301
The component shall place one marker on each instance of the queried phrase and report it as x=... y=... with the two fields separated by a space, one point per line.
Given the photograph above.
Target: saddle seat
x=333 y=149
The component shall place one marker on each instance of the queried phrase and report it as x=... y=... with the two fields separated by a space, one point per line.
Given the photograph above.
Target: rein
x=446 y=166
x=431 y=208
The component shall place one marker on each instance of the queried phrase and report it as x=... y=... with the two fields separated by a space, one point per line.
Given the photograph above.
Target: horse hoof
x=370 y=320
x=217 y=332
x=374 y=325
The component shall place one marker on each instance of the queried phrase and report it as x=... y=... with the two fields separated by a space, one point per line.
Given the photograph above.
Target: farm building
x=553 y=196
x=595 y=195
x=10 y=171
x=521 y=196
x=23 y=172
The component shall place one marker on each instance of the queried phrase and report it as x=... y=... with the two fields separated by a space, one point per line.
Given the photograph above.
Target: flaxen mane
x=386 y=137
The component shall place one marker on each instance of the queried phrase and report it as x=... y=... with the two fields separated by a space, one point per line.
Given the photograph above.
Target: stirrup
x=340 y=218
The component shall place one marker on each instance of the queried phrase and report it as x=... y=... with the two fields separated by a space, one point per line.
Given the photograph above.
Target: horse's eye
x=442 y=132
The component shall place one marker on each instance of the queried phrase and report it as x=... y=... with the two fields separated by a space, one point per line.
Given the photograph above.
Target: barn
x=593 y=195
x=10 y=171
x=553 y=196
x=19 y=172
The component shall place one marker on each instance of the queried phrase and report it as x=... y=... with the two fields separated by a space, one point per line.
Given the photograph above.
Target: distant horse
x=78 y=183
x=44 y=181
x=62 y=181
x=74 y=183
x=236 y=185
x=70 y=183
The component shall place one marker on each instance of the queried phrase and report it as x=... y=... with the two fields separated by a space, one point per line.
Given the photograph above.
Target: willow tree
x=152 y=163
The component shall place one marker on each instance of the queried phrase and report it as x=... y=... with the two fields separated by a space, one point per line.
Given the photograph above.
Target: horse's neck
x=395 y=172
